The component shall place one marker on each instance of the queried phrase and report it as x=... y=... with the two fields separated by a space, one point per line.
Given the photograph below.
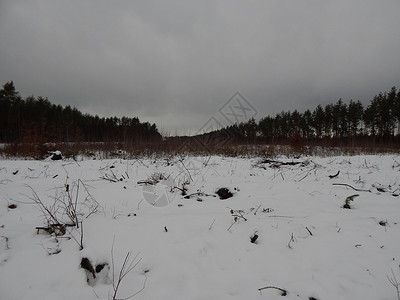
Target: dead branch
x=57 y=229
x=290 y=241
x=238 y=214
x=198 y=194
x=147 y=182
x=183 y=189
x=108 y=178
x=284 y=292
x=112 y=177
x=336 y=175
x=277 y=163
x=309 y=231
x=348 y=185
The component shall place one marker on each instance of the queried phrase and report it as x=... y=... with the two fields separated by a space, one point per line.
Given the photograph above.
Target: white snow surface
x=308 y=244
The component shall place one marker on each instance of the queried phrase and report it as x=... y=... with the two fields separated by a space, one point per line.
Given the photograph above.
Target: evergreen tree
x=318 y=120
x=295 y=121
x=328 y=120
x=371 y=118
x=266 y=127
x=355 y=113
x=306 y=124
x=396 y=111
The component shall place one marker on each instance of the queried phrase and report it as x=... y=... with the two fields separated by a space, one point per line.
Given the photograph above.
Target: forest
x=337 y=124
x=36 y=119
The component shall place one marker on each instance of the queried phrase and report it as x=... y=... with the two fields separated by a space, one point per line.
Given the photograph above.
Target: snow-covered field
x=201 y=247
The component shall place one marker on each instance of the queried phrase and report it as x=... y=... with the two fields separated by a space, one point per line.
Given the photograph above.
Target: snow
x=192 y=248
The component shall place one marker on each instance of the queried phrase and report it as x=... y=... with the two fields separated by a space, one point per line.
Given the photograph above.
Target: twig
x=6 y=239
x=309 y=231
x=255 y=213
x=395 y=283
x=209 y=228
x=46 y=211
x=147 y=182
x=276 y=163
x=336 y=175
x=97 y=296
x=139 y=291
x=56 y=250
x=239 y=215
x=138 y=206
x=190 y=176
x=276 y=175
x=206 y=163
x=195 y=194
x=107 y=177
x=290 y=241
x=183 y=190
x=348 y=185
x=284 y=292
x=127 y=266
x=81 y=236
x=234 y=222
x=308 y=173
x=76 y=204
x=80 y=243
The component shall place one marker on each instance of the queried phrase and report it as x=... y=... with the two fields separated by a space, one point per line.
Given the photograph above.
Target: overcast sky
x=176 y=63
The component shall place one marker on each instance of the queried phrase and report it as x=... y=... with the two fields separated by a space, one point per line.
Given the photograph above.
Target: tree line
x=348 y=123
x=36 y=119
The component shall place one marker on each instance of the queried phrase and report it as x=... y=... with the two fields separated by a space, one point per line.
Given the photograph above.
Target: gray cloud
x=175 y=63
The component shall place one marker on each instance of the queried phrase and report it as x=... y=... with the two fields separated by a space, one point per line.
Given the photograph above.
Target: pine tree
x=355 y=113
x=318 y=120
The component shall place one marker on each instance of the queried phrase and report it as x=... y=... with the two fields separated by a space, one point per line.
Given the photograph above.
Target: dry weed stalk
x=127 y=266
x=393 y=281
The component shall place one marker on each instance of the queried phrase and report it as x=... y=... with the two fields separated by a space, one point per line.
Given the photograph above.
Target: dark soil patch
x=56 y=156
x=224 y=193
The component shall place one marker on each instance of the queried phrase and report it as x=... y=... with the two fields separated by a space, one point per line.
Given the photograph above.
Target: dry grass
x=295 y=147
